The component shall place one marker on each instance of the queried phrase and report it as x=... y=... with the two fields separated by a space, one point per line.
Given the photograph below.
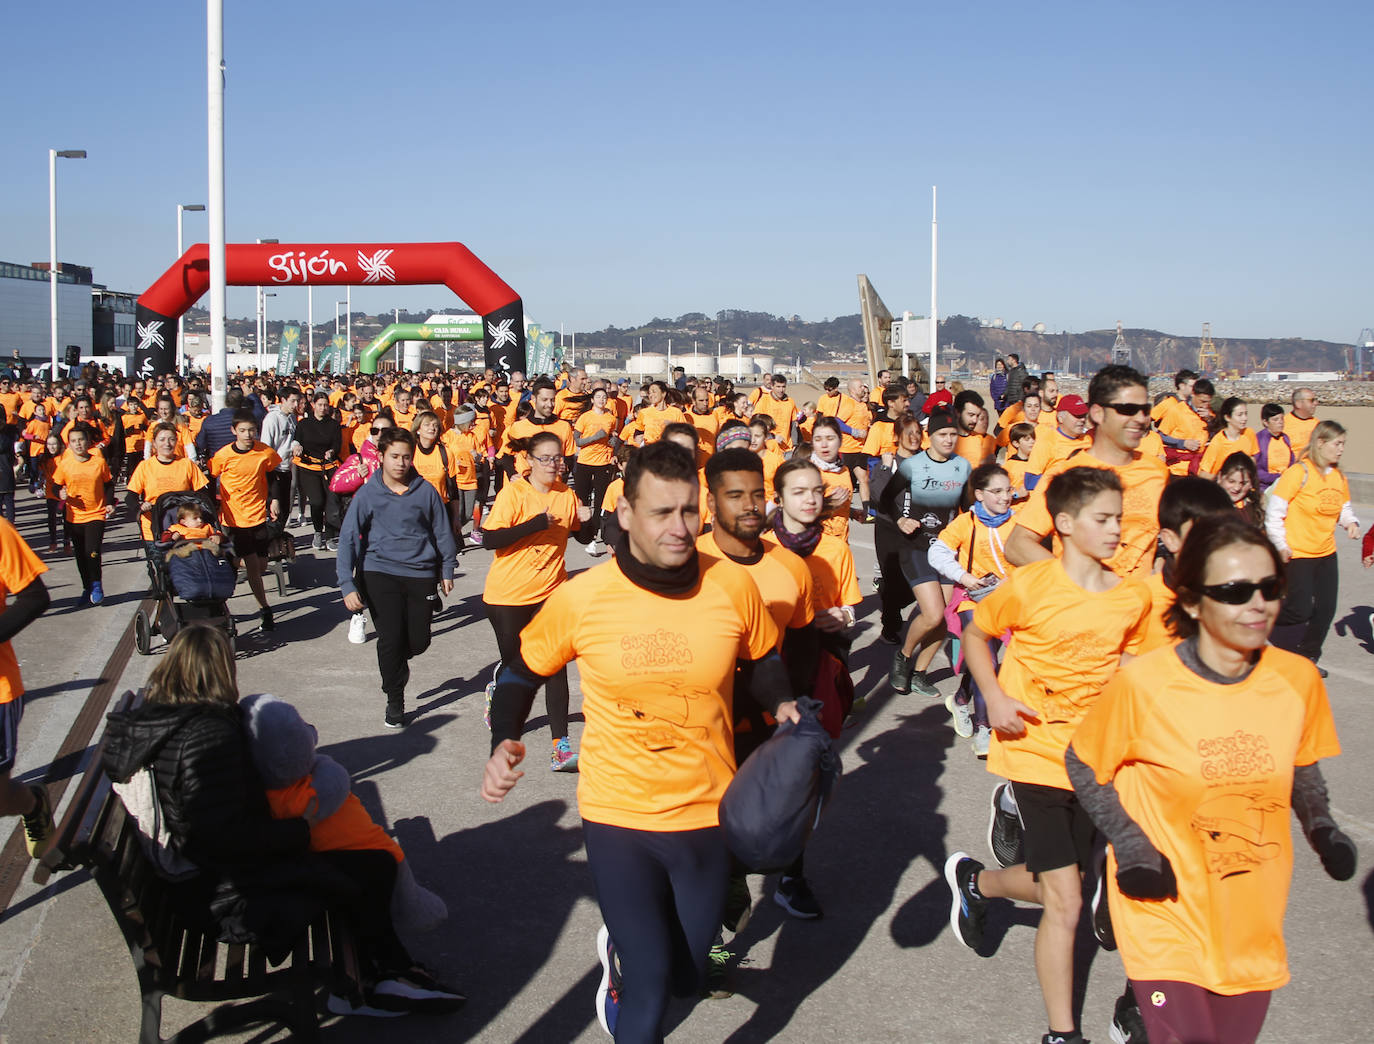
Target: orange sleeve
x=546 y=643
x=19 y=566
x=1135 y=635
x=1103 y=739
x=759 y=635
x=1000 y=610
x=504 y=509
x=804 y=613
x=850 y=594
x=1319 y=738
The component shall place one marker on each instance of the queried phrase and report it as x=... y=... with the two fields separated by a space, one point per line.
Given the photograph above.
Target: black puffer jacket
x=211 y=795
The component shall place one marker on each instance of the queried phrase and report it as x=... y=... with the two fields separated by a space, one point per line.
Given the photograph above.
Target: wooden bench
x=173 y=958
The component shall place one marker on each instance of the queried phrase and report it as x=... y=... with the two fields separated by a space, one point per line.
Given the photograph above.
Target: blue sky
x=1164 y=164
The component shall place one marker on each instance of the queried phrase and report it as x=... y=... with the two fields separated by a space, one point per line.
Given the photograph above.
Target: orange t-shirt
x=976 y=449
x=1053 y=446
x=1143 y=478
x=1183 y=422
x=1016 y=469
x=708 y=427
x=831 y=566
x=1066 y=643
x=12 y=402
x=613 y=494
x=881 y=437
x=152 y=478
x=653 y=420
x=783 y=412
x=85 y=482
x=525 y=428
x=1222 y=447
x=658 y=675
x=38 y=431
x=1314 y=506
x=1206 y=770
x=19 y=567
x=529 y=570
x=773 y=459
x=837 y=525
x=1299 y=431
x=1161 y=601
x=782 y=578
x=463 y=448
x=978 y=548
x=1151 y=445
x=243 y=483
x=596 y=454
x=1280 y=456
x=430 y=467
x=349 y=828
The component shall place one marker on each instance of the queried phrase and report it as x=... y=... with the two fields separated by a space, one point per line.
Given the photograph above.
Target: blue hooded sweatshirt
x=403 y=534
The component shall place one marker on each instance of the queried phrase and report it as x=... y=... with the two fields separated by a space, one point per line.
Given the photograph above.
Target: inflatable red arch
x=332 y=264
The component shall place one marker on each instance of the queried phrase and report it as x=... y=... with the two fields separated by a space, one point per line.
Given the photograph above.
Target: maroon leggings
x=1181 y=1013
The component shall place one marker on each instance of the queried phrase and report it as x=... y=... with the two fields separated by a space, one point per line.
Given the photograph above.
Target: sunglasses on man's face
x=1127 y=409
x=1239 y=592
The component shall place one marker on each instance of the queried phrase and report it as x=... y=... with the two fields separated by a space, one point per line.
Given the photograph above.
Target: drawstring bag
x=776 y=798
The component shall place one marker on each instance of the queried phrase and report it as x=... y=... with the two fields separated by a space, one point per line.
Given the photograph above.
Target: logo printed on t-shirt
x=1237 y=756
x=1233 y=829
x=654 y=650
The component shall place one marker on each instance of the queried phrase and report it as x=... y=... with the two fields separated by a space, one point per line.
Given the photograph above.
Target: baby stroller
x=206 y=580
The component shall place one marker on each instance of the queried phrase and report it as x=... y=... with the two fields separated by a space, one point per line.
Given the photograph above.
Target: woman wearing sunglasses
x=528 y=528
x=1189 y=764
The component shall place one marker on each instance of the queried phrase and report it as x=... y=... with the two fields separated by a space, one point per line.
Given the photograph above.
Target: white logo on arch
x=376 y=268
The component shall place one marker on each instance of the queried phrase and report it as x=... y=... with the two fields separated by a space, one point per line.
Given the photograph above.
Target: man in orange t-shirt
x=242 y=468
x=21 y=576
x=1301 y=420
x=657 y=633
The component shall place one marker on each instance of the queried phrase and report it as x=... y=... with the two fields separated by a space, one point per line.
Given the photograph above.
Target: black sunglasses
x=376 y=431
x=1239 y=592
x=1127 y=409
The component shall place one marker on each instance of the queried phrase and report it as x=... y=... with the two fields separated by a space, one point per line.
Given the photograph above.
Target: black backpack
x=777 y=796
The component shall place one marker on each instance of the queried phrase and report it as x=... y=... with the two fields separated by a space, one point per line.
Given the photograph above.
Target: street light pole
x=261 y=330
x=263 y=342
x=336 y=331
x=310 y=326
x=53 y=155
x=181 y=350
x=214 y=127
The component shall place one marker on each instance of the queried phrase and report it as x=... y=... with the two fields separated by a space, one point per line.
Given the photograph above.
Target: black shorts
x=248 y=540
x=916 y=567
x=855 y=460
x=1057 y=831
x=10 y=713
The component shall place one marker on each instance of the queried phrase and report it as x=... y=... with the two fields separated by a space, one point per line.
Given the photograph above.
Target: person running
x=1183 y=428
x=163 y=472
x=934 y=480
x=826 y=439
x=971 y=552
x=1198 y=813
x=1119 y=409
x=734 y=479
x=466 y=446
x=528 y=528
x=1306 y=506
x=396 y=544
x=23 y=598
x=541 y=417
x=1232 y=436
x=1273 y=449
x=658 y=632
x=315 y=447
x=245 y=508
x=594 y=432
x=1072 y=621
x=87 y=491
x=53 y=449
x=1239 y=478
x=1301 y=421
x=437 y=462
x=1067 y=437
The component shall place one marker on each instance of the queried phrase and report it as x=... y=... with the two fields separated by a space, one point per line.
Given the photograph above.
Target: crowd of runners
x=1132 y=596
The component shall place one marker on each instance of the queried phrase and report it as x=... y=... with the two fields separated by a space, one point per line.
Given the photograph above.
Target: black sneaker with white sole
x=1005 y=837
x=968 y=909
x=1101 y=915
x=794 y=895
x=608 y=992
x=415 y=989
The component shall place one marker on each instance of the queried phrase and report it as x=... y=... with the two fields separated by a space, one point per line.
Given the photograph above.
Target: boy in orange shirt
x=1073 y=622
x=242 y=468
x=87 y=491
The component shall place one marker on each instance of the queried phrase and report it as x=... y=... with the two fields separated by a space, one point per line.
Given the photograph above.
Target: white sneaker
x=596 y=549
x=982 y=740
x=357 y=629
x=961 y=715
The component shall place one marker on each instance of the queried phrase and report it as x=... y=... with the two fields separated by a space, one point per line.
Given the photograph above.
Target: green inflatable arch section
x=466 y=330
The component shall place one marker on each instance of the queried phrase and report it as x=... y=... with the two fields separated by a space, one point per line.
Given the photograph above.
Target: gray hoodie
x=406 y=534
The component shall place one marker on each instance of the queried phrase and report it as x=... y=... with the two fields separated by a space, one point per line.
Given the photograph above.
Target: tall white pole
x=572 y=355
x=310 y=326
x=52 y=254
x=348 y=345
x=214 y=72
x=934 y=312
x=181 y=336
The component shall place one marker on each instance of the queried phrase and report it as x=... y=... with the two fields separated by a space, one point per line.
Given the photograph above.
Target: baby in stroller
x=192 y=572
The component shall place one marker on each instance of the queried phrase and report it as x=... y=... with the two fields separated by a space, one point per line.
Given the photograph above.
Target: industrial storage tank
x=728 y=363
x=1038 y=328
x=697 y=365
x=650 y=364
x=764 y=363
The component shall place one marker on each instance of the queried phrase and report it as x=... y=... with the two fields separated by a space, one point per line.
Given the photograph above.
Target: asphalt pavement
x=880 y=965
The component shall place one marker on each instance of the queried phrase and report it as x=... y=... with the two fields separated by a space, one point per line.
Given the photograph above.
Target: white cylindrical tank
x=698 y=365
x=728 y=367
x=651 y=364
x=1038 y=328
x=763 y=362
x=410 y=355
x=1017 y=325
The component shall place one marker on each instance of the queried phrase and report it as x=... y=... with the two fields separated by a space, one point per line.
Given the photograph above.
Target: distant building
x=25 y=316
x=112 y=319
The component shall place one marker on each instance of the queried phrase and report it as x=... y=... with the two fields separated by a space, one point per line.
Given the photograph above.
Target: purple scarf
x=802 y=543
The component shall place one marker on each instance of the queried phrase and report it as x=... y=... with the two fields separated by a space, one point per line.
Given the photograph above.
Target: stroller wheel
x=143 y=633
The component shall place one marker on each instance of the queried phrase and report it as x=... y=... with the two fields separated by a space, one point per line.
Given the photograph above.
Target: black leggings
x=508 y=621
x=894 y=592
x=1309 y=606
x=86 y=538
x=54 y=516
x=661 y=896
x=591 y=481
x=315 y=486
x=401 y=612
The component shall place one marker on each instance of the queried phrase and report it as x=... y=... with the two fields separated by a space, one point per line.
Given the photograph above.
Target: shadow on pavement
x=1360 y=626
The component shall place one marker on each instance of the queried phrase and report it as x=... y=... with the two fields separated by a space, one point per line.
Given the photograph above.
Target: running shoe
x=97 y=593
x=475 y=538
x=921 y=685
x=395 y=716
x=899 y=674
x=332 y=544
x=52 y=549
x=1128 y=1026
x=486 y=714
x=357 y=629
x=1101 y=915
x=1005 y=836
x=960 y=715
x=1064 y=1038
x=982 y=741
x=968 y=909
x=739 y=905
x=337 y=1004
x=415 y=989
x=608 y=993
x=268 y=624
x=294 y=522
x=38 y=824
x=717 y=986
x=562 y=758
x=794 y=895
x=596 y=548
x=317 y=542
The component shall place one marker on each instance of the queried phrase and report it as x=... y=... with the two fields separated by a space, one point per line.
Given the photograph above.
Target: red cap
x=1072 y=405
x=934 y=402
